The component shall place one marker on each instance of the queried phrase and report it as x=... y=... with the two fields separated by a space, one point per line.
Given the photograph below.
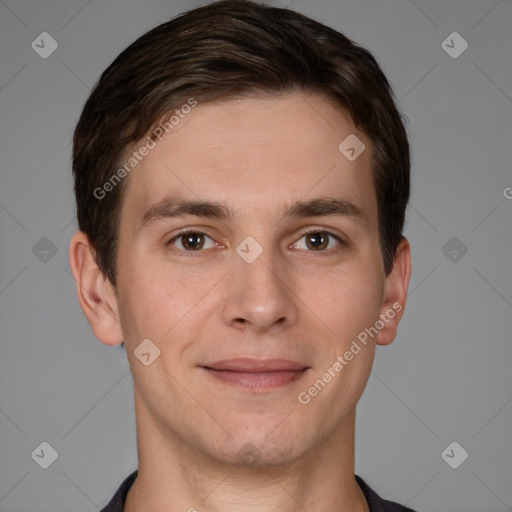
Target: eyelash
x=341 y=242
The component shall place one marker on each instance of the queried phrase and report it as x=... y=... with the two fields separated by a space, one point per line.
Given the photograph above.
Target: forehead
x=253 y=154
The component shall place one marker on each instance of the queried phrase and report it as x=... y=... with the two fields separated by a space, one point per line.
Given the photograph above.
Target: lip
x=256 y=374
x=248 y=365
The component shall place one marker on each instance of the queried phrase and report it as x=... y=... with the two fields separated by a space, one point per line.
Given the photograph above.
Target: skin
x=204 y=443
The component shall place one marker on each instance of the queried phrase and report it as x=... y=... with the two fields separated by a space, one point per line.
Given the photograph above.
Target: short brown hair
x=228 y=49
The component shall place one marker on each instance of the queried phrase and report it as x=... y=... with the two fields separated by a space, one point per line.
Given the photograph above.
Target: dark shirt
x=376 y=503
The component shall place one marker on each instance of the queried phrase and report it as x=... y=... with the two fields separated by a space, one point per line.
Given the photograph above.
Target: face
x=253 y=298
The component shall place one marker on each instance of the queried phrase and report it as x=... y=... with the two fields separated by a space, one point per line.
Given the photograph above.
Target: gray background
x=445 y=378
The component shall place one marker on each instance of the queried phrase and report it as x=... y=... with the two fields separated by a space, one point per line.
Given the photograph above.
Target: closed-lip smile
x=256 y=374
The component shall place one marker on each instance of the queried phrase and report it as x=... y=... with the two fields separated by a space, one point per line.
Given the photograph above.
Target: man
x=241 y=175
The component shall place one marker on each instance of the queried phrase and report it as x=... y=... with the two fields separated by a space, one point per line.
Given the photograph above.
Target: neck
x=176 y=476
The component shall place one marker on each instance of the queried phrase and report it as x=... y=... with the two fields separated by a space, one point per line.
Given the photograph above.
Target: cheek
x=347 y=301
x=149 y=303
x=159 y=302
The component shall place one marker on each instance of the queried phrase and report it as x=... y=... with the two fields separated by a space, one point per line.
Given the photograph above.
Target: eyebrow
x=170 y=208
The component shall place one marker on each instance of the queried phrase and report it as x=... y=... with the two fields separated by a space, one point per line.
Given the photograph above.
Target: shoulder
x=116 y=504
x=376 y=503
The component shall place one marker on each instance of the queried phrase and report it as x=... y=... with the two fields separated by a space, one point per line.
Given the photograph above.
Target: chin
x=263 y=448
x=250 y=455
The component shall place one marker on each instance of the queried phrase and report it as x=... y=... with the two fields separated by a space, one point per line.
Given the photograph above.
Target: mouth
x=256 y=374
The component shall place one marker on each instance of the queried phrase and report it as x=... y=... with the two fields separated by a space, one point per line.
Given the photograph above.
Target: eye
x=192 y=241
x=318 y=241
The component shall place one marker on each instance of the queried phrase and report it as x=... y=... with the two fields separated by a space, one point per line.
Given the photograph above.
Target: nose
x=259 y=295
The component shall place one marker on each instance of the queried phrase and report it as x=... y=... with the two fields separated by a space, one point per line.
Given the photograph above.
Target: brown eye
x=192 y=241
x=318 y=241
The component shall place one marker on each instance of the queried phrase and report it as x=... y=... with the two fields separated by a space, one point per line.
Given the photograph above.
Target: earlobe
x=395 y=293
x=95 y=292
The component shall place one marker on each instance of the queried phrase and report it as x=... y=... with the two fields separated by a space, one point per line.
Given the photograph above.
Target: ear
x=96 y=294
x=395 y=293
